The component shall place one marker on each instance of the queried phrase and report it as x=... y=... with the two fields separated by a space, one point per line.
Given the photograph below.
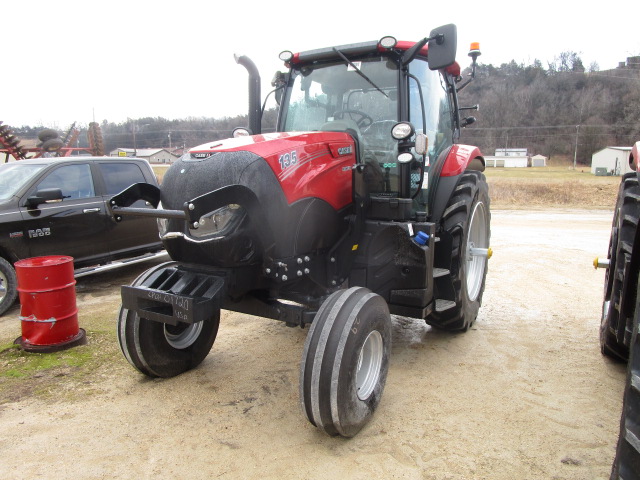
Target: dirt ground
x=524 y=394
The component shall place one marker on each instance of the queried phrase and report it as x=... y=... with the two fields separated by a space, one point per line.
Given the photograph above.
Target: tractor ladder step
x=444 y=305
x=440 y=272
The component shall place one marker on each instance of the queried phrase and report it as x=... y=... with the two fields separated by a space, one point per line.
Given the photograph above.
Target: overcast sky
x=113 y=60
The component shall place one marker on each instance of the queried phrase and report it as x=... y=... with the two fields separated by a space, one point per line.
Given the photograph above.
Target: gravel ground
x=524 y=394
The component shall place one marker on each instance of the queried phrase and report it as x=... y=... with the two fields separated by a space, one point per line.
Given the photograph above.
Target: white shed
x=538 y=161
x=611 y=161
x=505 y=161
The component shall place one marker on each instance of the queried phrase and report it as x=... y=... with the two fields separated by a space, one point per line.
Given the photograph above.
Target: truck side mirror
x=443 y=44
x=45 y=195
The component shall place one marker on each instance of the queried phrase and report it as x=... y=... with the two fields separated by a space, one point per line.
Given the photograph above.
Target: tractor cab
x=396 y=99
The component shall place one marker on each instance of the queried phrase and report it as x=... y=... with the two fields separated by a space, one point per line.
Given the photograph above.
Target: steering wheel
x=364 y=120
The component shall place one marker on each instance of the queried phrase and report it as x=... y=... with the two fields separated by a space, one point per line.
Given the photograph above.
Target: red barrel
x=48 y=310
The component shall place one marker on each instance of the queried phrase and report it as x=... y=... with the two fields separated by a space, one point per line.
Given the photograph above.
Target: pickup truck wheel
x=161 y=350
x=464 y=247
x=345 y=361
x=8 y=285
x=617 y=309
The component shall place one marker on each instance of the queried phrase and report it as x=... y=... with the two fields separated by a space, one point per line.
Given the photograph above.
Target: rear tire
x=345 y=361
x=627 y=461
x=8 y=285
x=161 y=350
x=619 y=300
x=465 y=226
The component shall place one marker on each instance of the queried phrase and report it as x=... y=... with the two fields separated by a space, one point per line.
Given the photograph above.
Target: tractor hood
x=272 y=195
x=306 y=164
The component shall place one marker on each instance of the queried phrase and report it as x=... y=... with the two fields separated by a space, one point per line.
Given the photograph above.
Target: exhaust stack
x=255 y=113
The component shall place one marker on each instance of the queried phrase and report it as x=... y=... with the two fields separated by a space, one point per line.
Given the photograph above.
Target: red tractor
x=361 y=205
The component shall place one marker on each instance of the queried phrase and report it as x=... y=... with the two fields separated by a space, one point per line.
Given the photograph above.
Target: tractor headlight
x=219 y=222
x=402 y=131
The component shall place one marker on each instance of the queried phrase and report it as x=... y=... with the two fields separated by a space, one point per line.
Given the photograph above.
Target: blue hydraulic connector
x=421 y=238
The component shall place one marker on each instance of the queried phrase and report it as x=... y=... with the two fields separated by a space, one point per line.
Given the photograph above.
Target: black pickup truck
x=57 y=206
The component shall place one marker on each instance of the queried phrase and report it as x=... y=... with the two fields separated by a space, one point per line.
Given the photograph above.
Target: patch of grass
x=558 y=186
x=21 y=364
x=59 y=375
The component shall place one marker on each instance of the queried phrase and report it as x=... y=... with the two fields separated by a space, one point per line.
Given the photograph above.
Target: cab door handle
x=91 y=210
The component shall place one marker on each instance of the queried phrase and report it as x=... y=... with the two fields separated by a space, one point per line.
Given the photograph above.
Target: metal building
x=611 y=161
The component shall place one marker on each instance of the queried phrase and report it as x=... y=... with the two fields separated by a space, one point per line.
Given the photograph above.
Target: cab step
x=444 y=305
x=440 y=272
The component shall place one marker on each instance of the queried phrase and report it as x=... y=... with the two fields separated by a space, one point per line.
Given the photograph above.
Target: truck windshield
x=13 y=176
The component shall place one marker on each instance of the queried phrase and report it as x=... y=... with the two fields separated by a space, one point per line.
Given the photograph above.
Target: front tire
x=345 y=361
x=463 y=251
x=8 y=285
x=618 y=303
x=161 y=350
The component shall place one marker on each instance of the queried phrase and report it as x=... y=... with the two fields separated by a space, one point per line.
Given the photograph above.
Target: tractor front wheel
x=162 y=350
x=462 y=252
x=345 y=361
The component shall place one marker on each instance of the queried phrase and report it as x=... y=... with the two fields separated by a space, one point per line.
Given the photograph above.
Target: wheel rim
x=476 y=250
x=183 y=335
x=369 y=365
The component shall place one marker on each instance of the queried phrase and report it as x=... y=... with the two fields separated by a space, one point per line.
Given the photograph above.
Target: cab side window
x=436 y=121
x=75 y=181
x=118 y=176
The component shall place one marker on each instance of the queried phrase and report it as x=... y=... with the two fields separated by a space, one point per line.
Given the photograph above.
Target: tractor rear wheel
x=345 y=361
x=8 y=285
x=162 y=350
x=619 y=301
x=627 y=460
x=462 y=251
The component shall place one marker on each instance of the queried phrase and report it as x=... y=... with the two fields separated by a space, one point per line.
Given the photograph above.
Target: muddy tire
x=161 y=350
x=8 y=285
x=619 y=295
x=345 y=361
x=462 y=251
x=627 y=460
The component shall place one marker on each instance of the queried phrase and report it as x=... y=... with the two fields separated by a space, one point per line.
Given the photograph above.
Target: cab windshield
x=363 y=100
x=338 y=97
x=13 y=176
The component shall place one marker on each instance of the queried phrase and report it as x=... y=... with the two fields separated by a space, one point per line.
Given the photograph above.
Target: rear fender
x=461 y=158
x=457 y=160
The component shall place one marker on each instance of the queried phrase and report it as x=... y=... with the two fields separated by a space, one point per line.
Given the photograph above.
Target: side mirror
x=45 y=195
x=443 y=44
